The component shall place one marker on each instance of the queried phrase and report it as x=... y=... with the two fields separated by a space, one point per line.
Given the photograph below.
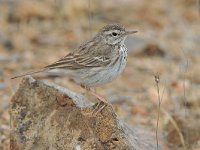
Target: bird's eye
x=114 y=33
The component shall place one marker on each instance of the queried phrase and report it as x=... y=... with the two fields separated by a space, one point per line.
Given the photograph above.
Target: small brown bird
x=97 y=62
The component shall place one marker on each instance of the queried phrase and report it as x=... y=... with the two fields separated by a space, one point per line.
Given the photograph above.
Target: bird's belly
x=98 y=76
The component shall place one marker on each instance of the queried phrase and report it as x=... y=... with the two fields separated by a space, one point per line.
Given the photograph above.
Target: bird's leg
x=100 y=98
x=98 y=109
x=103 y=101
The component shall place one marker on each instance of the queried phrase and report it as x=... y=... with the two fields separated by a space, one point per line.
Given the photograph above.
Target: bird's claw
x=99 y=107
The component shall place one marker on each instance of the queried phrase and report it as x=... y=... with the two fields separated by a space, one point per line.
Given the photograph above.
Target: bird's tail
x=28 y=73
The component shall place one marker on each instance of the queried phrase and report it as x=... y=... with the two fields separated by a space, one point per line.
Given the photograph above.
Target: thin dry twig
x=157 y=80
x=160 y=98
x=175 y=126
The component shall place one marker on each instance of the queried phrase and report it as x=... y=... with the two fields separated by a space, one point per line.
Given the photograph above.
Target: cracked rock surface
x=45 y=116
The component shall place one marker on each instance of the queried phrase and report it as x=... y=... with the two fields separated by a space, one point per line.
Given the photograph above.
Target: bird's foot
x=98 y=108
x=101 y=105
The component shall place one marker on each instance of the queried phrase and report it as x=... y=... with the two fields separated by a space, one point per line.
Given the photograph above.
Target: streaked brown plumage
x=96 y=62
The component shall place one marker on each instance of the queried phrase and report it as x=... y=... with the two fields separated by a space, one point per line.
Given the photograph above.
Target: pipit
x=97 y=62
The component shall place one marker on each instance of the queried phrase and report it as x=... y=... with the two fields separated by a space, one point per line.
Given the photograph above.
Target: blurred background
x=35 y=33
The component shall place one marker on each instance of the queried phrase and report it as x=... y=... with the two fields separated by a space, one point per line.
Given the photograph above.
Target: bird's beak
x=130 y=32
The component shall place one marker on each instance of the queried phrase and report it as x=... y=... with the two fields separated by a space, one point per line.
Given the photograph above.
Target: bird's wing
x=91 y=54
x=79 y=61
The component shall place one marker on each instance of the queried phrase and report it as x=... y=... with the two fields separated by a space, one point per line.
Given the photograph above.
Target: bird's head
x=114 y=33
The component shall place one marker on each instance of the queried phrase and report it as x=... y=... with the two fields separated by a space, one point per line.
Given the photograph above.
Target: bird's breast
x=117 y=66
x=101 y=75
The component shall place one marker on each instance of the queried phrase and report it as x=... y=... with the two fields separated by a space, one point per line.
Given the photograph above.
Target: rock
x=45 y=116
